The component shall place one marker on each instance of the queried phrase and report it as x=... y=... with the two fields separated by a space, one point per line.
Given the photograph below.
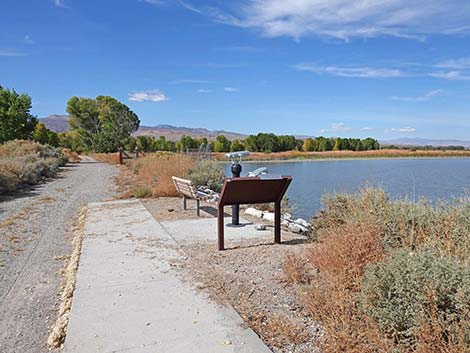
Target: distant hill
x=59 y=123
x=409 y=141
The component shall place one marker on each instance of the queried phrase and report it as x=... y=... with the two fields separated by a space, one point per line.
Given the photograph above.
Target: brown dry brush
x=353 y=233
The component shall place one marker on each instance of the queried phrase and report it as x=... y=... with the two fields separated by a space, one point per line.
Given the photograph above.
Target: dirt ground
x=250 y=278
x=35 y=241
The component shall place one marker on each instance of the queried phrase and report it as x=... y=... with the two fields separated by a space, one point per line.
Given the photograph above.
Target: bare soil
x=250 y=278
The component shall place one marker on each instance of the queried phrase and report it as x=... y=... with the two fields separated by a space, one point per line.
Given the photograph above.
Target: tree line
x=103 y=124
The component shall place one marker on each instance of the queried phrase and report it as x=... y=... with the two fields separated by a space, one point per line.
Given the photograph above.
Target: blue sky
x=378 y=68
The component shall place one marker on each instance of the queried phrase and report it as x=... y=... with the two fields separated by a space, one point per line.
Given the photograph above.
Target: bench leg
x=277 y=222
x=220 y=227
x=184 y=202
x=197 y=206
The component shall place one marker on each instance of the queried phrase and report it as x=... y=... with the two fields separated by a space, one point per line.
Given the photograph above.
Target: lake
x=433 y=179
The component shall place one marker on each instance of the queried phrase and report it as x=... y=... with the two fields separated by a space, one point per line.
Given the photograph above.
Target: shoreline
x=349 y=158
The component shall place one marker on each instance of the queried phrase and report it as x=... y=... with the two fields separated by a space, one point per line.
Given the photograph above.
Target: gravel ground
x=35 y=240
x=249 y=277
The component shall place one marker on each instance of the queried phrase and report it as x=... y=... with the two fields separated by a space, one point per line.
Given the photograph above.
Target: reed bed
x=387 y=153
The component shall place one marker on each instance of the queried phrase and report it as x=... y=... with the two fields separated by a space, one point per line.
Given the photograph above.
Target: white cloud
x=346 y=19
x=367 y=128
x=425 y=97
x=406 y=129
x=152 y=96
x=461 y=63
x=12 y=53
x=450 y=75
x=27 y=40
x=230 y=89
x=364 y=72
x=59 y=3
x=202 y=90
x=336 y=127
x=187 y=81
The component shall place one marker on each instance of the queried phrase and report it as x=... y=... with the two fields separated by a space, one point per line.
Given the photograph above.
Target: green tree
x=186 y=142
x=16 y=121
x=251 y=143
x=222 y=144
x=40 y=134
x=103 y=123
x=338 y=146
x=52 y=138
x=236 y=146
x=308 y=145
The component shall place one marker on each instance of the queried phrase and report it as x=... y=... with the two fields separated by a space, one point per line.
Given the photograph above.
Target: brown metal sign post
x=248 y=190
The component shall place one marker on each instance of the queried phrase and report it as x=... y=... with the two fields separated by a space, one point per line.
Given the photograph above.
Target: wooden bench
x=189 y=190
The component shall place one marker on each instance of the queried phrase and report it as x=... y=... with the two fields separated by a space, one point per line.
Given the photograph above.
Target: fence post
x=120 y=156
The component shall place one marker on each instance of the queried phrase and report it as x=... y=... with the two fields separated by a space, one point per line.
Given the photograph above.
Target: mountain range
x=59 y=123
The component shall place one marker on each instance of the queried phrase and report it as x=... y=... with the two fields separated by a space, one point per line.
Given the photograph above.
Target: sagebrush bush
x=392 y=276
x=399 y=293
x=142 y=192
x=27 y=162
x=402 y=224
x=207 y=173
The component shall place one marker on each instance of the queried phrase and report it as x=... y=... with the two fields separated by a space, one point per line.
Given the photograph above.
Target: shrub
x=207 y=173
x=142 y=192
x=399 y=293
x=26 y=162
x=392 y=276
x=402 y=224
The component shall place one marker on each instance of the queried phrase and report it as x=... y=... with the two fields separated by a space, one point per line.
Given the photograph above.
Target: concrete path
x=129 y=298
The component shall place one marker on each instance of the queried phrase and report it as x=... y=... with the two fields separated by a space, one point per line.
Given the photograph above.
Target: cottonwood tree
x=16 y=121
x=103 y=123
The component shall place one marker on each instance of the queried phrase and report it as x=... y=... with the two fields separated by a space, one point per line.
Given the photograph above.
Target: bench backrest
x=185 y=187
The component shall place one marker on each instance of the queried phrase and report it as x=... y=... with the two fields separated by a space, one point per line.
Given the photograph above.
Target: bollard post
x=236 y=172
x=120 y=156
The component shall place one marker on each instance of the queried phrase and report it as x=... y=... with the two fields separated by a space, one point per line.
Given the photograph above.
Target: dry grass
x=340 y=258
x=355 y=232
x=73 y=157
x=388 y=153
x=47 y=199
x=111 y=158
x=150 y=176
x=278 y=330
x=155 y=172
x=59 y=329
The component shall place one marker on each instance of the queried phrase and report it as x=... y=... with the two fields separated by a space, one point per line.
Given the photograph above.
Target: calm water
x=403 y=178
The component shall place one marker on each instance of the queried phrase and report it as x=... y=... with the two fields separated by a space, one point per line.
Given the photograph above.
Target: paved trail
x=35 y=236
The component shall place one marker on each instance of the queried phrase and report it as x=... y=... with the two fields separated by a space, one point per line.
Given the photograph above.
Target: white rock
x=287 y=216
x=254 y=212
x=269 y=216
x=294 y=228
x=302 y=222
x=303 y=229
